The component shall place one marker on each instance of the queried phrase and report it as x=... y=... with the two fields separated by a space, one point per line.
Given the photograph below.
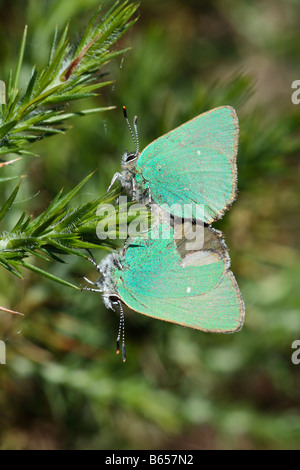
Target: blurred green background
x=63 y=387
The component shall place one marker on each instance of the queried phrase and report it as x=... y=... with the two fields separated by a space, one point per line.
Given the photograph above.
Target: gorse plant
x=37 y=110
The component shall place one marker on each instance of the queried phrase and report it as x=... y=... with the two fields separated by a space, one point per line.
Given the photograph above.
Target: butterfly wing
x=194 y=164
x=220 y=310
x=193 y=289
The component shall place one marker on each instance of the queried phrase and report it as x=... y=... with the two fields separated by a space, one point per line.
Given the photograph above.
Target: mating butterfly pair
x=156 y=274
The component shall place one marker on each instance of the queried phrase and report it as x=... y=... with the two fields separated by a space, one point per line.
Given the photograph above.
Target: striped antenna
x=121 y=331
x=131 y=132
x=137 y=148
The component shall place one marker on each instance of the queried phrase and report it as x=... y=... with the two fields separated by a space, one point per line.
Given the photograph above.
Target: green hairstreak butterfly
x=193 y=164
x=160 y=277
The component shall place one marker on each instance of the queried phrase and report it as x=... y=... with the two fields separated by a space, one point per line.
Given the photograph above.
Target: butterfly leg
x=118 y=264
x=90 y=282
x=93 y=261
x=91 y=289
x=114 y=178
x=126 y=244
x=133 y=189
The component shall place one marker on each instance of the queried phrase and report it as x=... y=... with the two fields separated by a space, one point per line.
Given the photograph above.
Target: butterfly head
x=111 y=300
x=129 y=159
x=106 y=281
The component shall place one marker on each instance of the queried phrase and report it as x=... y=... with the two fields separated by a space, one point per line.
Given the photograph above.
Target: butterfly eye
x=114 y=299
x=130 y=157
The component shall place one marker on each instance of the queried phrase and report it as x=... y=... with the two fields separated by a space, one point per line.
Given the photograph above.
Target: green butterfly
x=193 y=164
x=157 y=275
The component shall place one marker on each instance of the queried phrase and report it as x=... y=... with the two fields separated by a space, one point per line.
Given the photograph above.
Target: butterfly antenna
x=121 y=332
x=129 y=126
x=137 y=147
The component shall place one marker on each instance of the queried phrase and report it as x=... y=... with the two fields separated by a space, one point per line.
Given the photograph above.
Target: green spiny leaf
x=9 y=202
x=20 y=61
x=48 y=275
